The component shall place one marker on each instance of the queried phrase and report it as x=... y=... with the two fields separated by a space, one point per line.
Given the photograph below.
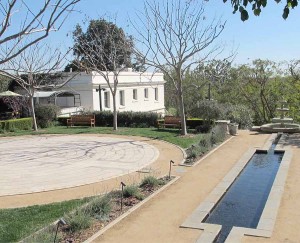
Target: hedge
x=125 y=119
x=16 y=124
x=194 y=122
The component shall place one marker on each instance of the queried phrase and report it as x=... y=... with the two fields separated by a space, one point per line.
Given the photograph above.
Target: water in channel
x=243 y=203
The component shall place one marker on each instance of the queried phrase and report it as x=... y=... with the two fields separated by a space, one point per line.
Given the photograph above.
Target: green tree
x=105 y=49
x=256 y=82
x=103 y=45
x=257 y=5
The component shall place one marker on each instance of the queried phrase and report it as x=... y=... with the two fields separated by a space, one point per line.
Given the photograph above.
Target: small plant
x=132 y=191
x=100 y=207
x=150 y=181
x=46 y=235
x=217 y=135
x=78 y=220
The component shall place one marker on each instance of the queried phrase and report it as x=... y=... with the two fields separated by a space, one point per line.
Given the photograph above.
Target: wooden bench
x=170 y=121
x=81 y=120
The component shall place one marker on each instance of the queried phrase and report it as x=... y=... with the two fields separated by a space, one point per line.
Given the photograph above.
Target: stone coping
x=268 y=218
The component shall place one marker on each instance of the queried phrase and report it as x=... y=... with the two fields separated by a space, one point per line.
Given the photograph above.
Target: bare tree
x=24 y=23
x=105 y=49
x=176 y=37
x=36 y=68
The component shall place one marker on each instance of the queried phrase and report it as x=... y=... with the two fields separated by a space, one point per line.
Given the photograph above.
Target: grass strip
x=169 y=135
x=18 y=223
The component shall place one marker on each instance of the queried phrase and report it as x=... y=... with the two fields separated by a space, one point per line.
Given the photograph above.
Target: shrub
x=46 y=115
x=16 y=124
x=205 y=142
x=62 y=121
x=127 y=119
x=193 y=123
x=171 y=112
x=202 y=147
x=239 y=114
x=78 y=220
x=218 y=135
x=132 y=191
x=100 y=207
x=205 y=128
x=150 y=181
x=208 y=110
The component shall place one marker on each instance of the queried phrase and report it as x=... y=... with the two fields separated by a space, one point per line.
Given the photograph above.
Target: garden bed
x=206 y=144
x=99 y=212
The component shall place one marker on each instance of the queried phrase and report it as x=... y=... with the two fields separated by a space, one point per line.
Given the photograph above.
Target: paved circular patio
x=43 y=163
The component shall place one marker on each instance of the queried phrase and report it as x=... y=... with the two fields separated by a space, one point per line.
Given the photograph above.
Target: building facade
x=135 y=92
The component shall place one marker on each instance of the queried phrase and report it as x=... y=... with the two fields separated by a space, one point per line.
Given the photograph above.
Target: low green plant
x=132 y=191
x=150 y=181
x=218 y=135
x=46 y=115
x=126 y=119
x=239 y=114
x=171 y=111
x=100 y=207
x=78 y=220
x=16 y=124
x=46 y=236
x=208 y=110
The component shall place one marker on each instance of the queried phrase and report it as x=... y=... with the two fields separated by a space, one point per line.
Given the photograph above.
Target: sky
x=268 y=36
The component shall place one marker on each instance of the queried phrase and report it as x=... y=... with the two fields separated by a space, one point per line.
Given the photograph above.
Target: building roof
x=58 y=93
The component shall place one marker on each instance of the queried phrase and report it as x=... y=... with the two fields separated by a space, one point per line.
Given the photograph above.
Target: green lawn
x=169 y=135
x=18 y=223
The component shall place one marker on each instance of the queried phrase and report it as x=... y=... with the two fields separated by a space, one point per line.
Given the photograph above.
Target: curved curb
x=131 y=210
x=177 y=146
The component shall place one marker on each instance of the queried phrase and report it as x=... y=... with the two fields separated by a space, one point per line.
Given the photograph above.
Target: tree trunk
x=33 y=114
x=182 y=114
x=115 y=122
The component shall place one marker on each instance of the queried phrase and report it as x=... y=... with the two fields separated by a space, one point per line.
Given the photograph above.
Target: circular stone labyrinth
x=43 y=163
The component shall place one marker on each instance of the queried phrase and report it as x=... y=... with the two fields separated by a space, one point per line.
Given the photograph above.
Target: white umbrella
x=9 y=93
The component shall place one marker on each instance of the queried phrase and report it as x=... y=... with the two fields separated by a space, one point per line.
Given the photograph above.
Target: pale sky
x=268 y=36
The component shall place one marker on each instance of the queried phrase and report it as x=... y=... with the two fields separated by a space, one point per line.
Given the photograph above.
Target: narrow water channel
x=243 y=203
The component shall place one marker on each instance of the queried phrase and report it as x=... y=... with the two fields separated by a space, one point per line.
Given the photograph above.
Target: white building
x=136 y=92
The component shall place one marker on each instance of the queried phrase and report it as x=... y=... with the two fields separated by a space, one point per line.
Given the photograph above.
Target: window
x=134 y=94
x=146 y=93
x=106 y=99
x=122 y=97
x=156 y=94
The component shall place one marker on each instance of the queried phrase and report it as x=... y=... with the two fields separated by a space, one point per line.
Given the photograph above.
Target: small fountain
x=280 y=124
